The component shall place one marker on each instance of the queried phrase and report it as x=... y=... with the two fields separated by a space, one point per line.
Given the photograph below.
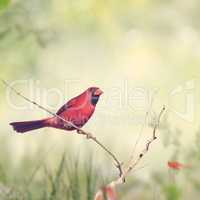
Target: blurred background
x=143 y=54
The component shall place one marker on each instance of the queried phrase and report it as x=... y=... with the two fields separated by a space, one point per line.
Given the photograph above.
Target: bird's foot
x=80 y=132
x=89 y=136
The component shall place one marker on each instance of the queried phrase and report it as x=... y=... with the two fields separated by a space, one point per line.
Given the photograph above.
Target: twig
x=143 y=153
x=67 y=123
x=132 y=166
x=141 y=130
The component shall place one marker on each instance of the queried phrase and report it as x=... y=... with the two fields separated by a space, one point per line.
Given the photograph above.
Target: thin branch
x=141 y=130
x=133 y=165
x=143 y=153
x=67 y=123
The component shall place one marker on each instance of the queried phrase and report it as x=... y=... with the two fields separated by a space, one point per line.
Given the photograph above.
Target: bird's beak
x=98 y=92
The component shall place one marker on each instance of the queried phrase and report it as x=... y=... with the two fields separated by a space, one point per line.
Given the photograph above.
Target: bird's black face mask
x=94 y=99
x=96 y=93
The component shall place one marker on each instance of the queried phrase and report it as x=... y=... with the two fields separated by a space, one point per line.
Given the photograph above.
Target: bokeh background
x=143 y=54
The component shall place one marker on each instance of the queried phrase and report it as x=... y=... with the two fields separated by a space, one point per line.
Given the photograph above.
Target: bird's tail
x=22 y=127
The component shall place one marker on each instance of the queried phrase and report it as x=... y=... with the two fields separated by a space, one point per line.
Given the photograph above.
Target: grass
x=69 y=177
x=69 y=181
x=72 y=179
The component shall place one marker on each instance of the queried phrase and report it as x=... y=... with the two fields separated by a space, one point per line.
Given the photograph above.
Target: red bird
x=77 y=111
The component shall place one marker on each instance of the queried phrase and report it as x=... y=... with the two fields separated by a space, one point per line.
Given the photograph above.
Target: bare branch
x=132 y=165
x=79 y=130
x=142 y=129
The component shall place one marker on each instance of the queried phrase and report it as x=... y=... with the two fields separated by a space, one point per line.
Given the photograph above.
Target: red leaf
x=109 y=191
x=175 y=165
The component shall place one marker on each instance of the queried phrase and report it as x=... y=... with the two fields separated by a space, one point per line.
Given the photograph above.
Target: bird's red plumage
x=77 y=111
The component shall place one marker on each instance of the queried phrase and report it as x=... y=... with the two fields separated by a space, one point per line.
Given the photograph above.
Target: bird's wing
x=69 y=104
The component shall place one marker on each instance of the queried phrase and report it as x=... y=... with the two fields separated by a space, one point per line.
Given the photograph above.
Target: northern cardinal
x=77 y=111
